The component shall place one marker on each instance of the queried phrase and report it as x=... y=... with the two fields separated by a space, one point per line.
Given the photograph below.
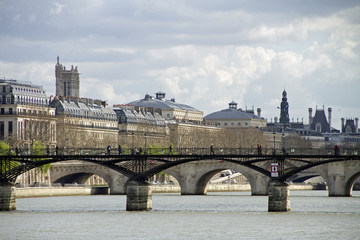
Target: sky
x=203 y=53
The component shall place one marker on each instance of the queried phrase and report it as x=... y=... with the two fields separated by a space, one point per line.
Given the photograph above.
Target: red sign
x=274 y=170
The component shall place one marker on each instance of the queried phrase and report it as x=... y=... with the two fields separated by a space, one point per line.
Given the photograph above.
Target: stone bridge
x=193 y=177
x=267 y=174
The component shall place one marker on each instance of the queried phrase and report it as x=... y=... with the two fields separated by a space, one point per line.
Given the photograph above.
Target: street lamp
x=274 y=143
x=132 y=144
x=145 y=143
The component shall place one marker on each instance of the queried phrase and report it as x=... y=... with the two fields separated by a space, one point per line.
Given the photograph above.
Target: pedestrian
x=337 y=150
x=170 y=149
x=108 y=149
x=17 y=151
x=259 y=149
x=212 y=149
x=120 y=149
x=284 y=151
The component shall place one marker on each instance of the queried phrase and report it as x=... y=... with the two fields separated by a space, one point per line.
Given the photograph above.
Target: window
x=1 y=130
x=10 y=111
x=2 y=111
x=10 y=128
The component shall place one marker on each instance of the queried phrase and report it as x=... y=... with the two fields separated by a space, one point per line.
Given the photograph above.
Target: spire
x=284 y=110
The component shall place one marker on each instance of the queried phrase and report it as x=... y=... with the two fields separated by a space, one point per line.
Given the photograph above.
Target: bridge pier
x=278 y=197
x=7 y=197
x=138 y=196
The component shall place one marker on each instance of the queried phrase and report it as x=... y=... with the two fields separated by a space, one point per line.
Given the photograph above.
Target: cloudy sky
x=204 y=53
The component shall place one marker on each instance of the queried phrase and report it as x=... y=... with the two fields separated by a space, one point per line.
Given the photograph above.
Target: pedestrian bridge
x=193 y=168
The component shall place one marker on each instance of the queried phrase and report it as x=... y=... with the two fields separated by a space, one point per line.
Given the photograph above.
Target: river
x=220 y=216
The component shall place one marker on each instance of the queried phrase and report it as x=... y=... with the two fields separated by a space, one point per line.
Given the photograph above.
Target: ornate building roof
x=159 y=102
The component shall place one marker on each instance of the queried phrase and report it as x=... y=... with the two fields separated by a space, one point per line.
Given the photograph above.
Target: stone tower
x=284 y=110
x=67 y=81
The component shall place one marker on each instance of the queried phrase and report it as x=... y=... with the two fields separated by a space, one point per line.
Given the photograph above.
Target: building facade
x=25 y=115
x=67 y=81
x=234 y=117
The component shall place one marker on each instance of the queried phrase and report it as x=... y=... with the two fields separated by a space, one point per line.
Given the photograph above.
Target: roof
x=161 y=103
x=231 y=114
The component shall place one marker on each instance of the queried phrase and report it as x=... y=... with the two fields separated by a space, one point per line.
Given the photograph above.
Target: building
x=284 y=110
x=233 y=117
x=319 y=122
x=350 y=125
x=84 y=123
x=67 y=81
x=169 y=109
x=141 y=128
x=25 y=115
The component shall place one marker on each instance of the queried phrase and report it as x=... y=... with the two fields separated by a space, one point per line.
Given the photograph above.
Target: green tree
x=5 y=164
x=39 y=148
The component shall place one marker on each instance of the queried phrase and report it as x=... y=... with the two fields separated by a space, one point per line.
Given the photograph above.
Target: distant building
x=25 y=115
x=168 y=109
x=67 y=81
x=84 y=122
x=350 y=125
x=284 y=110
x=233 y=117
x=319 y=123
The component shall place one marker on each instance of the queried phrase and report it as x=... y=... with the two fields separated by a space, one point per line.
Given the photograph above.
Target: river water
x=219 y=216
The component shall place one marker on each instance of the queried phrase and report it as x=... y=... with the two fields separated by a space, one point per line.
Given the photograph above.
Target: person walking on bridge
x=108 y=150
x=212 y=149
x=170 y=150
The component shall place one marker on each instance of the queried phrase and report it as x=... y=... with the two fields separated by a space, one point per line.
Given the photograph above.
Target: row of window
x=21 y=89
x=233 y=124
x=23 y=100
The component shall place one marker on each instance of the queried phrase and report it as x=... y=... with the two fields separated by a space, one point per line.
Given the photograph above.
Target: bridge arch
x=194 y=179
x=80 y=171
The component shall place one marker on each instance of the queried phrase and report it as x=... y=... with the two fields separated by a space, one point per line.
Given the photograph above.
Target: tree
x=38 y=148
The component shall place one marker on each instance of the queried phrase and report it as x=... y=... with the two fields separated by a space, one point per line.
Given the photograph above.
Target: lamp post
x=145 y=143
x=274 y=143
x=132 y=144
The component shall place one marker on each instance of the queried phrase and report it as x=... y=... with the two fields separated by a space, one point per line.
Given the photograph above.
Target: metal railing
x=188 y=151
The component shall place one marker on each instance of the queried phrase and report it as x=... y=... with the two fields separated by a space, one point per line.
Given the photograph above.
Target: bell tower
x=67 y=81
x=284 y=110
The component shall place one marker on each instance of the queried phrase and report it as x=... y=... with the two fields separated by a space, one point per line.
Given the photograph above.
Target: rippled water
x=313 y=215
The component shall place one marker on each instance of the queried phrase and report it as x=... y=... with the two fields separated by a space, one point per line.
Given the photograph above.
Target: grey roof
x=151 y=102
x=231 y=114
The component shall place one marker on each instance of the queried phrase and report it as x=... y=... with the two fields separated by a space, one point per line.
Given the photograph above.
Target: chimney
x=259 y=112
x=310 y=116
x=329 y=116
x=356 y=125
x=342 y=124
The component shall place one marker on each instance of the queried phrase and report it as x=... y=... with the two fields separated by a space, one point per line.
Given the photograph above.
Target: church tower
x=284 y=110
x=67 y=81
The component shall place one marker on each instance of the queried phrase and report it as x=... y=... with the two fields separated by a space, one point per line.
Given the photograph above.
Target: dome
x=161 y=103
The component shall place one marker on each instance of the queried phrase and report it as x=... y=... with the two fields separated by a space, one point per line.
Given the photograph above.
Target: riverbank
x=70 y=190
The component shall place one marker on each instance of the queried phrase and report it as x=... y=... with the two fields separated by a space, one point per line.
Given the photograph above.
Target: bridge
x=193 y=168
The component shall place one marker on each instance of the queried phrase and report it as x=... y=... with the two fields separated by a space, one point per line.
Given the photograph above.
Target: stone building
x=234 y=117
x=169 y=109
x=350 y=125
x=84 y=123
x=25 y=115
x=319 y=122
x=67 y=81
x=138 y=128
